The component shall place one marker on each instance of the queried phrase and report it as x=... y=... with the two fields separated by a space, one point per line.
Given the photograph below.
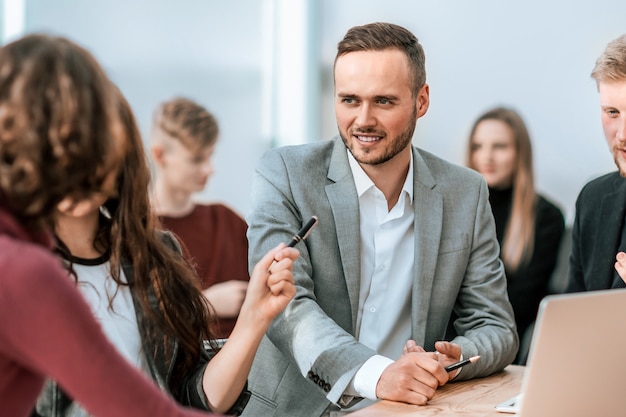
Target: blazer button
x=316 y=378
x=327 y=387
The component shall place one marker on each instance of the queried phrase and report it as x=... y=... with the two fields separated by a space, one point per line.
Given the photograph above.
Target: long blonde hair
x=519 y=235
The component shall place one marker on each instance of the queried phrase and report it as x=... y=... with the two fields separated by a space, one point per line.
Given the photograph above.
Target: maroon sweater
x=47 y=330
x=214 y=239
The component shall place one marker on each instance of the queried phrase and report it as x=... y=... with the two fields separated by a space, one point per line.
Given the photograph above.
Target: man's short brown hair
x=380 y=36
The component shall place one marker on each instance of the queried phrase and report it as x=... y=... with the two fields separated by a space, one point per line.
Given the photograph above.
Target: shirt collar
x=364 y=183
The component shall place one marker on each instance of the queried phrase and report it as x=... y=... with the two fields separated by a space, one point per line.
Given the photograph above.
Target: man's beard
x=620 y=167
x=398 y=144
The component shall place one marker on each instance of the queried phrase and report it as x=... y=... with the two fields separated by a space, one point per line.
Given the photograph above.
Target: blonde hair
x=186 y=121
x=611 y=65
x=519 y=236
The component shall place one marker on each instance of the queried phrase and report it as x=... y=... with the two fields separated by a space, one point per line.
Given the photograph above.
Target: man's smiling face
x=375 y=110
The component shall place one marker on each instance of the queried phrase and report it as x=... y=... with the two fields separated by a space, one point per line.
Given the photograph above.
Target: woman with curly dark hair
x=148 y=299
x=61 y=139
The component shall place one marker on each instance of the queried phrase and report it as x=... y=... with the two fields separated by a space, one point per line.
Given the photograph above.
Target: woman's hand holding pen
x=270 y=289
x=271 y=285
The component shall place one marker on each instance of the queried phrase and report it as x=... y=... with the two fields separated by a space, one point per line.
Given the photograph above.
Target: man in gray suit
x=402 y=276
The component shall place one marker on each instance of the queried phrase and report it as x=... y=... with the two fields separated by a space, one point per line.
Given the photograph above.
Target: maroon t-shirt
x=214 y=240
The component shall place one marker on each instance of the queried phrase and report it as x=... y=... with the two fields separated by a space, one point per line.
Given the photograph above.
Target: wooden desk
x=477 y=397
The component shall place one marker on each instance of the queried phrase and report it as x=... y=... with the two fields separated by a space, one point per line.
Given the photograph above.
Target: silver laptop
x=577 y=360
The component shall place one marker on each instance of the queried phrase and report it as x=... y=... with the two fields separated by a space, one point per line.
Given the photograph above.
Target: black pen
x=459 y=364
x=304 y=232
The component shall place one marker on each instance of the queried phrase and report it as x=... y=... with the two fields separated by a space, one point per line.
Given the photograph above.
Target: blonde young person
x=184 y=135
x=61 y=140
x=147 y=299
x=528 y=226
x=598 y=259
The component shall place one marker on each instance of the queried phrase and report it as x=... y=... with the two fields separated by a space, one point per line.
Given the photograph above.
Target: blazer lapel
x=343 y=199
x=428 y=206
x=612 y=210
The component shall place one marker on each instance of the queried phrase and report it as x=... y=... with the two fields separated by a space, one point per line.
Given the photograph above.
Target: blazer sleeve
x=324 y=351
x=484 y=322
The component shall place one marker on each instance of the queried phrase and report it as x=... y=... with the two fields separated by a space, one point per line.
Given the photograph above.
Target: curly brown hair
x=60 y=132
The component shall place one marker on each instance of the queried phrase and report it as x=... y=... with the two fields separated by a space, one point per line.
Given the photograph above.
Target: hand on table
x=447 y=353
x=413 y=379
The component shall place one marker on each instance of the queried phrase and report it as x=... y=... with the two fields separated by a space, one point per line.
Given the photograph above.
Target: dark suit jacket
x=596 y=234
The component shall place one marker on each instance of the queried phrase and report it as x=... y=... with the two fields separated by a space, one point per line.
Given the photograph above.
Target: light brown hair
x=60 y=133
x=380 y=36
x=519 y=234
x=611 y=65
x=186 y=121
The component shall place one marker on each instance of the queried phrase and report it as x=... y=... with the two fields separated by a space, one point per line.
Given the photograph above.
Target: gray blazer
x=309 y=354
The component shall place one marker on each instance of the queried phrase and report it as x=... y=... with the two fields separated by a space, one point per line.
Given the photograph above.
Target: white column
x=12 y=19
x=291 y=72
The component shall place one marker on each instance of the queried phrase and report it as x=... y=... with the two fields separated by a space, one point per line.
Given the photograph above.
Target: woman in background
x=61 y=139
x=148 y=300
x=529 y=227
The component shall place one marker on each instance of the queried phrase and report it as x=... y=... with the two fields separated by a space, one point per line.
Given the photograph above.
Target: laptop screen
x=576 y=363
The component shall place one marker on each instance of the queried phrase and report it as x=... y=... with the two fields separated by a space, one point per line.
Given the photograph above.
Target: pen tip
x=474 y=359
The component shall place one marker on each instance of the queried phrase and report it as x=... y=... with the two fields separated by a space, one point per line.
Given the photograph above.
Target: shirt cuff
x=366 y=378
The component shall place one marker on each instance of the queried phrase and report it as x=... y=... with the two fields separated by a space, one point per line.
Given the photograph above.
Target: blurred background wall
x=264 y=68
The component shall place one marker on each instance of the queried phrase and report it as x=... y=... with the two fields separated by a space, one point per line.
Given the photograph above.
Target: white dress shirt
x=387 y=270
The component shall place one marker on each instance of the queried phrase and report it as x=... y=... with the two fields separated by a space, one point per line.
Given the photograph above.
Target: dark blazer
x=596 y=234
